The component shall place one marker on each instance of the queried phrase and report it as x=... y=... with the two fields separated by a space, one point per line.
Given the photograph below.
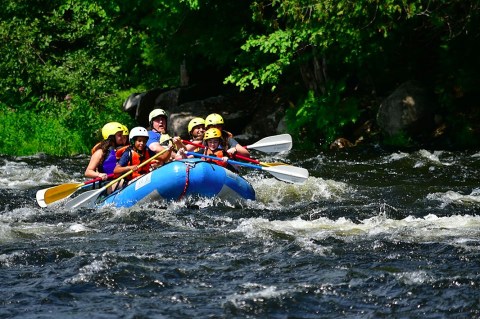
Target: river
x=371 y=234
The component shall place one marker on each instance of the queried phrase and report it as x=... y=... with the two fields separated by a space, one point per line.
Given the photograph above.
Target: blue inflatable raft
x=179 y=179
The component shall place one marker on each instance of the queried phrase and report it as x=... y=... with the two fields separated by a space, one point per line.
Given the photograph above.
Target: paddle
x=286 y=173
x=273 y=144
x=50 y=195
x=88 y=199
x=251 y=160
x=248 y=159
x=269 y=144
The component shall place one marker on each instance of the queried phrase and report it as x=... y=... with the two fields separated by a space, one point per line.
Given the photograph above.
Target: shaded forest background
x=68 y=67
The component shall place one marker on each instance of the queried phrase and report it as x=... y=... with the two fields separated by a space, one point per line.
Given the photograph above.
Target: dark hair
x=105 y=146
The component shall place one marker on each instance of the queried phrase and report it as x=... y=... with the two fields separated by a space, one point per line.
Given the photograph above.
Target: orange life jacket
x=218 y=153
x=136 y=160
x=96 y=147
x=120 y=151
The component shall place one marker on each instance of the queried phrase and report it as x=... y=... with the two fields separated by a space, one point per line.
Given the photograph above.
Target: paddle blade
x=86 y=199
x=289 y=174
x=50 y=195
x=273 y=144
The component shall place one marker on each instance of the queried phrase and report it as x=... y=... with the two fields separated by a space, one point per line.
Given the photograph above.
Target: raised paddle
x=269 y=144
x=88 y=199
x=53 y=194
x=248 y=159
x=273 y=144
x=286 y=173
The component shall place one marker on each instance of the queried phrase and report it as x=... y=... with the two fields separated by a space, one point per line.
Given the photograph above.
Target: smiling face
x=140 y=142
x=213 y=143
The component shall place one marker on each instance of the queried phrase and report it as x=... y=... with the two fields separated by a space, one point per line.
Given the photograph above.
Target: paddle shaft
x=269 y=144
x=238 y=156
x=229 y=161
x=98 y=179
x=286 y=173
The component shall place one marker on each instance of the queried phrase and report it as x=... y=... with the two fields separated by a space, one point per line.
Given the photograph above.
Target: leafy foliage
x=70 y=65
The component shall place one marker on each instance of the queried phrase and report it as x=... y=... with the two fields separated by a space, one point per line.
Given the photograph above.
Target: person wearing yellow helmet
x=158 y=138
x=213 y=147
x=215 y=120
x=196 y=130
x=103 y=159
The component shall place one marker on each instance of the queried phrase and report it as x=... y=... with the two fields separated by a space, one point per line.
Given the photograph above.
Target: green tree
x=377 y=43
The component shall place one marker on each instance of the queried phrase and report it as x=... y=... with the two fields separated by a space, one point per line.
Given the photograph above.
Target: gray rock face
x=409 y=109
x=247 y=116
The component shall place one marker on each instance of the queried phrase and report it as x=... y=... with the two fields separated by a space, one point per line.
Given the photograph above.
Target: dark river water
x=371 y=234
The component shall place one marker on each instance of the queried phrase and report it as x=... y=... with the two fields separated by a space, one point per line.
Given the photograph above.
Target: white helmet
x=137 y=131
x=156 y=112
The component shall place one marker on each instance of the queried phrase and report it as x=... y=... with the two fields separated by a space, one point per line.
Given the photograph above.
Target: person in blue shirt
x=159 y=139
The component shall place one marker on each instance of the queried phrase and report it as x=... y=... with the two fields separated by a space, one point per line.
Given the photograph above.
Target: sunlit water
x=371 y=234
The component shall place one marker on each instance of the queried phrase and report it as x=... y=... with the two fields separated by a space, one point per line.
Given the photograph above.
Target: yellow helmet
x=125 y=130
x=194 y=122
x=214 y=119
x=155 y=113
x=212 y=133
x=111 y=128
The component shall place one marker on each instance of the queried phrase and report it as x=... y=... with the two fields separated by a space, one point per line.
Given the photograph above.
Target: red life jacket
x=136 y=160
x=218 y=153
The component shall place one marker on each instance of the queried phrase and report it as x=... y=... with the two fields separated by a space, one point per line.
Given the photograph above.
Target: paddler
x=215 y=120
x=158 y=138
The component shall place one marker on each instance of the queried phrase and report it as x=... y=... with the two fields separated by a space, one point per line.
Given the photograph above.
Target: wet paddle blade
x=273 y=144
x=289 y=174
x=86 y=199
x=50 y=195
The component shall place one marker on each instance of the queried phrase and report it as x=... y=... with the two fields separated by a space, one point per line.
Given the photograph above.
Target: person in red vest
x=214 y=147
x=137 y=153
x=215 y=120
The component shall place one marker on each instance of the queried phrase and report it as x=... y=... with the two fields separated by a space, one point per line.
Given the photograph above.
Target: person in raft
x=135 y=154
x=196 y=130
x=103 y=159
x=213 y=142
x=159 y=139
x=232 y=147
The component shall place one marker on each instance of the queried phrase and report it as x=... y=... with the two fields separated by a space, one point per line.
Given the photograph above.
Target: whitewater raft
x=179 y=179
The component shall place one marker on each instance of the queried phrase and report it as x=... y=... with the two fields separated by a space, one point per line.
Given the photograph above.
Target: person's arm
x=122 y=165
x=234 y=147
x=156 y=147
x=91 y=170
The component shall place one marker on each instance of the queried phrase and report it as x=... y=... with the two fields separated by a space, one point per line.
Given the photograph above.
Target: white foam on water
x=260 y=295
x=410 y=229
x=395 y=157
x=450 y=197
x=88 y=272
x=21 y=175
x=274 y=194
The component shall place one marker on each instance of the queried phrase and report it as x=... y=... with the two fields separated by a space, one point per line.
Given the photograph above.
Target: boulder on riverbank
x=249 y=116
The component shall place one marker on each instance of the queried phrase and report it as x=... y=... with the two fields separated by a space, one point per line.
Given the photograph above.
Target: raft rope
x=187 y=179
